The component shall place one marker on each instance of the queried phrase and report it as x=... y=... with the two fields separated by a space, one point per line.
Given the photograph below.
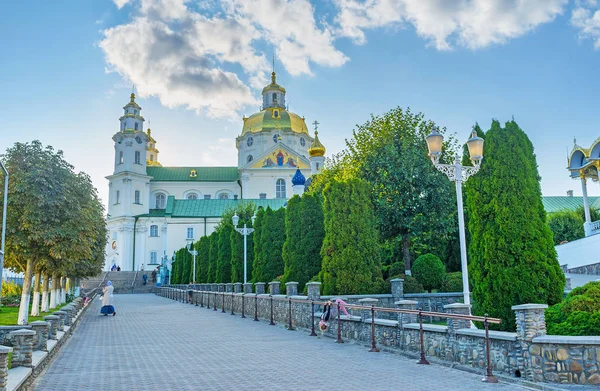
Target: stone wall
x=593 y=269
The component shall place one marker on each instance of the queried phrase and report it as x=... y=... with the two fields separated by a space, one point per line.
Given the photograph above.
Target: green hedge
x=578 y=314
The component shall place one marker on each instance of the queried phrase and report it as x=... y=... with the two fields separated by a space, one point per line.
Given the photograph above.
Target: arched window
x=223 y=196
x=137 y=157
x=151 y=158
x=136 y=197
x=280 y=188
x=192 y=196
x=136 y=126
x=250 y=141
x=121 y=157
x=160 y=201
x=154 y=231
x=249 y=159
x=274 y=98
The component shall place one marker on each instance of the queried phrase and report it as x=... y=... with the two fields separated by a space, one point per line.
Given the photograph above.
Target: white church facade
x=153 y=210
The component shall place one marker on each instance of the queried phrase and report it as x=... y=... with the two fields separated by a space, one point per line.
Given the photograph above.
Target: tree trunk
x=35 y=307
x=405 y=248
x=53 y=290
x=45 y=284
x=63 y=290
x=24 y=306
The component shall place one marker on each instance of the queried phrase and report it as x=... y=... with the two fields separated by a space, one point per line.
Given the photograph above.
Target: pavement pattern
x=154 y=343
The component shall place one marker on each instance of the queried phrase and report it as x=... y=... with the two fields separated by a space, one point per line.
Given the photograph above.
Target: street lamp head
x=235 y=219
x=475 y=145
x=434 y=143
x=189 y=243
x=253 y=218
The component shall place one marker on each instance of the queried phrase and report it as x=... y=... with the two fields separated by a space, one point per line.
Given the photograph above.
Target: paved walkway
x=157 y=344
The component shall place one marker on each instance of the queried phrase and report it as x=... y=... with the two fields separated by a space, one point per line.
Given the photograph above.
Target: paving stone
x=158 y=344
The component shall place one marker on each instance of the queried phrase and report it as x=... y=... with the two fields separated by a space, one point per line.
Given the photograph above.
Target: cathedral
x=154 y=210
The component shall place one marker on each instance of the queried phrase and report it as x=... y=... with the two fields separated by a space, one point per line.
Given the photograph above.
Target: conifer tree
x=223 y=271
x=245 y=214
x=350 y=251
x=186 y=266
x=213 y=255
x=511 y=250
x=304 y=238
x=272 y=238
x=203 y=248
x=258 y=261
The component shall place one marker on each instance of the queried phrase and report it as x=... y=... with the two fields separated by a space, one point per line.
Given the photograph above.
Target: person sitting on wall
x=330 y=311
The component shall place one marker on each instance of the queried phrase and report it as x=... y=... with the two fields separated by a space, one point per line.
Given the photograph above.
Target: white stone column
x=140 y=243
x=586 y=208
x=245 y=179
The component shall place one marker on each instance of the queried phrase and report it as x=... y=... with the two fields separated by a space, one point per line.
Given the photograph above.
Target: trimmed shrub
x=578 y=314
x=429 y=270
x=452 y=282
x=411 y=285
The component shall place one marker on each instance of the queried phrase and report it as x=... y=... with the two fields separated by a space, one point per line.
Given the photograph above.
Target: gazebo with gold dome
x=584 y=164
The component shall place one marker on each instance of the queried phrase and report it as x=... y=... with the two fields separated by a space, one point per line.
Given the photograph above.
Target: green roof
x=216 y=208
x=558 y=203
x=203 y=174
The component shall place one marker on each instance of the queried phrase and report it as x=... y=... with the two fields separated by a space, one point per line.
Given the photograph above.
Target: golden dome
x=316 y=148
x=273 y=85
x=274 y=118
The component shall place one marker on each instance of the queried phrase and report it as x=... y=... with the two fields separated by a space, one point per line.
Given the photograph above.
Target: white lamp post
x=194 y=253
x=245 y=232
x=458 y=174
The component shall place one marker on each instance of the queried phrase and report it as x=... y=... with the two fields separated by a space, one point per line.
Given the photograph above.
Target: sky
x=68 y=68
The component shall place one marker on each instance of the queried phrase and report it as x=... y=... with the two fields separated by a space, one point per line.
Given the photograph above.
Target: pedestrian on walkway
x=190 y=288
x=330 y=312
x=107 y=300
x=145 y=278
x=154 y=276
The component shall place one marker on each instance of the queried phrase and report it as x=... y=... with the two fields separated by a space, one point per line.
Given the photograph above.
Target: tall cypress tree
x=511 y=249
x=272 y=238
x=203 y=248
x=213 y=255
x=350 y=251
x=304 y=238
x=186 y=266
x=258 y=261
x=223 y=272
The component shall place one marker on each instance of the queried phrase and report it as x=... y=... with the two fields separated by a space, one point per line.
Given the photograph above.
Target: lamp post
x=458 y=174
x=194 y=253
x=244 y=232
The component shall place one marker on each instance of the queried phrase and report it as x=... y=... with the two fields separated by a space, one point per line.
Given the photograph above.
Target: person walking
x=145 y=278
x=190 y=288
x=107 y=300
x=154 y=276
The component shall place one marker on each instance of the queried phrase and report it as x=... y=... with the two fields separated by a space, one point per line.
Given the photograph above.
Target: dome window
x=276 y=113
x=249 y=159
x=302 y=141
x=250 y=141
x=275 y=138
x=274 y=98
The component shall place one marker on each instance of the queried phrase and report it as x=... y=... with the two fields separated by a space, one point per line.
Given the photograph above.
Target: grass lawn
x=9 y=315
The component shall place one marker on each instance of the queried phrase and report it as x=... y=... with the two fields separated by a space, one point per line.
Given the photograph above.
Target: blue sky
x=67 y=70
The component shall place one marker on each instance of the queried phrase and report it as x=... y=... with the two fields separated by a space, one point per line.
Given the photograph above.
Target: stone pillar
x=365 y=314
x=53 y=321
x=69 y=314
x=531 y=321
x=291 y=288
x=214 y=287
x=22 y=341
x=221 y=287
x=237 y=287
x=260 y=288
x=406 y=318
x=62 y=315
x=274 y=287
x=397 y=288
x=459 y=309
x=42 y=330
x=4 y=350
x=314 y=290
x=248 y=287
x=229 y=287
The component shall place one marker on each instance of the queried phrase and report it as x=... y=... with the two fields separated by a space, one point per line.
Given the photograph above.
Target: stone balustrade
x=53 y=320
x=42 y=330
x=22 y=342
x=4 y=351
x=61 y=322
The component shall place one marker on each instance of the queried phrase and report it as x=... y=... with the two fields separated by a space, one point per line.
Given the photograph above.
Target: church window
x=223 y=196
x=276 y=113
x=249 y=158
x=207 y=196
x=153 y=258
x=137 y=157
x=121 y=157
x=275 y=138
x=250 y=141
x=190 y=233
x=274 y=98
x=124 y=123
x=136 y=126
x=118 y=196
x=280 y=189
x=302 y=141
x=192 y=196
x=136 y=197
x=317 y=166
x=160 y=201
x=262 y=196
x=154 y=230
x=151 y=158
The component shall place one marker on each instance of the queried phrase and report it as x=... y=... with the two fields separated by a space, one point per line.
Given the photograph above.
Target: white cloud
x=121 y=3
x=587 y=20
x=473 y=24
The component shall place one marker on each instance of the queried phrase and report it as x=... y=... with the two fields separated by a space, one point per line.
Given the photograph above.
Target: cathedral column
x=245 y=179
x=140 y=243
x=127 y=254
x=586 y=207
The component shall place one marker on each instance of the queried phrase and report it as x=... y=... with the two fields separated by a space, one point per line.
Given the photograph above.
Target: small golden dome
x=316 y=148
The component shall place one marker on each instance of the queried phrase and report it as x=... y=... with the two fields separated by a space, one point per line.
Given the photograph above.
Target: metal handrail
x=134 y=279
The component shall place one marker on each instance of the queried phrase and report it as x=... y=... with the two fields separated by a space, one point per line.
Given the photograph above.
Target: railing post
x=339 y=326
x=271 y=299
x=243 y=306
x=196 y=297
x=215 y=302
x=489 y=377
x=373 y=342
x=201 y=297
x=232 y=304
x=422 y=360
x=256 y=307
x=223 y=307
x=312 y=317
x=290 y=326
